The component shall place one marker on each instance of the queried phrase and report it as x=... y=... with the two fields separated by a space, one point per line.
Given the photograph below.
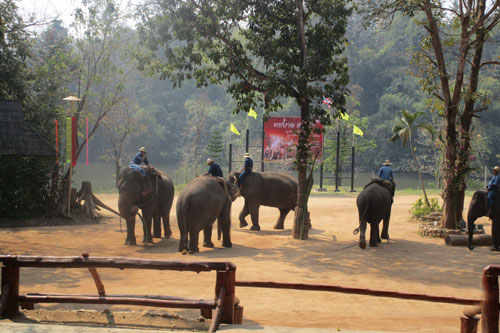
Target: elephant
x=374 y=204
x=153 y=194
x=203 y=200
x=479 y=207
x=272 y=189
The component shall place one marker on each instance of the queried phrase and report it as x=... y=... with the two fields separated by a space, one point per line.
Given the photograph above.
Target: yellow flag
x=252 y=113
x=356 y=130
x=344 y=116
x=234 y=129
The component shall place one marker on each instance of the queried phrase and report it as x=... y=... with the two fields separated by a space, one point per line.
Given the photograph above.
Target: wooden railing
x=225 y=302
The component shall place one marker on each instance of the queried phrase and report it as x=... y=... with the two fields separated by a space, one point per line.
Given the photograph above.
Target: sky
x=48 y=9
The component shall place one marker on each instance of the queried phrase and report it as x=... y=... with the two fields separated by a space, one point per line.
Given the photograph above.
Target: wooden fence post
x=227 y=279
x=10 y=291
x=468 y=324
x=489 y=304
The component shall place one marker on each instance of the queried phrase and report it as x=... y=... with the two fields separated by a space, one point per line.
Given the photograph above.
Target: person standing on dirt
x=247 y=169
x=138 y=159
x=386 y=172
x=214 y=169
x=493 y=185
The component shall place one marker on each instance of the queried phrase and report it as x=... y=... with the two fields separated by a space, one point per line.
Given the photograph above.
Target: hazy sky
x=48 y=9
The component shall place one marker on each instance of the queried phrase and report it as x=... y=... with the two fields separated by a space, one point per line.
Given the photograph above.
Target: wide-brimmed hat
x=209 y=160
x=247 y=155
x=387 y=162
x=497 y=168
x=143 y=149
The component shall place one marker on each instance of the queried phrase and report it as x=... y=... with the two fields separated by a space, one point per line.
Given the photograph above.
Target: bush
x=28 y=186
x=419 y=209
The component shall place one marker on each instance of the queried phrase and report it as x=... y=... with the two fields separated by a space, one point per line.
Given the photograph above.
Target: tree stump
x=86 y=195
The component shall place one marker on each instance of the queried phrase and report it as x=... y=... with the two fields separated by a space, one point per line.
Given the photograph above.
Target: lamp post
x=72 y=99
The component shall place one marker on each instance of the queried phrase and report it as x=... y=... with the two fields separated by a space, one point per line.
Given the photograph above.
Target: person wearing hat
x=138 y=159
x=386 y=172
x=493 y=185
x=214 y=169
x=247 y=168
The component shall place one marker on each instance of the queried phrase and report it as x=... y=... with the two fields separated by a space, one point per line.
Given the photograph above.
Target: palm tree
x=403 y=130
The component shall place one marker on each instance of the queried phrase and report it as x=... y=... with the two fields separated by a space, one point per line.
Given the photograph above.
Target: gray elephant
x=201 y=202
x=153 y=194
x=374 y=204
x=479 y=207
x=273 y=189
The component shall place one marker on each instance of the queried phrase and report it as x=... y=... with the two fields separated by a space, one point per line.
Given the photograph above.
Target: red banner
x=73 y=141
x=281 y=137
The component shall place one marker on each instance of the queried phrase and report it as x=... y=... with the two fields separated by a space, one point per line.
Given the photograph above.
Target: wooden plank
x=489 y=305
x=171 y=298
x=10 y=291
x=228 y=281
x=214 y=325
x=182 y=304
x=359 y=291
x=115 y=262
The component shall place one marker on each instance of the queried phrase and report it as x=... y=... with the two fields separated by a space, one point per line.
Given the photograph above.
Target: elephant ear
x=234 y=191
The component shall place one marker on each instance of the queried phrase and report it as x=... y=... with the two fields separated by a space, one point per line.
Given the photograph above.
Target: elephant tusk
x=355 y=231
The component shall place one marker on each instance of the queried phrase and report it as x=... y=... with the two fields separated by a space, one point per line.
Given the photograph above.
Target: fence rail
x=224 y=304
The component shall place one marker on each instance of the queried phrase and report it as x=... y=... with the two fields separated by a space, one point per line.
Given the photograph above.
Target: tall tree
x=404 y=129
x=451 y=60
x=267 y=50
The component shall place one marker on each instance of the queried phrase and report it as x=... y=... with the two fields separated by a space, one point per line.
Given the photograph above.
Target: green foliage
x=420 y=209
x=215 y=146
x=28 y=186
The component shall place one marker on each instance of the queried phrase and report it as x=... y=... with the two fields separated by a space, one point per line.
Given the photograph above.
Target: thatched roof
x=17 y=137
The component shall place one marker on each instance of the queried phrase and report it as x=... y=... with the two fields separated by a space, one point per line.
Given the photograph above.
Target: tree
x=450 y=63
x=267 y=51
x=195 y=128
x=122 y=122
x=103 y=62
x=403 y=130
x=215 y=146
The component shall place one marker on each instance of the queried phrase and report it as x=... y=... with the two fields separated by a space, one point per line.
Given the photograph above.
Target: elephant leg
x=495 y=233
x=157 y=225
x=374 y=234
x=225 y=221
x=207 y=236
x=254 y=214
x=244 y=212
x=166 y=226
x=385 y=227
x=280 y=223
x=148 y=219
x=130 y=231
x=193 y=242
x=362 y=232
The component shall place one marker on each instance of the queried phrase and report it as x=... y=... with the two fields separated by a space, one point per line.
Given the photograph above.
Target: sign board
x=281 y=138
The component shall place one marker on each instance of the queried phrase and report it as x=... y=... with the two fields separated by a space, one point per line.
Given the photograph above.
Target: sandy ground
x=408 y=263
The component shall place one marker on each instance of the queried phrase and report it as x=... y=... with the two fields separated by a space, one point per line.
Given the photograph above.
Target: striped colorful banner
x=73 y=141
x=68 y=140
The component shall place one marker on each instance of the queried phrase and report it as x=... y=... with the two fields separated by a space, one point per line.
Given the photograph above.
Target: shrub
x=420 y=209
x=29 y=186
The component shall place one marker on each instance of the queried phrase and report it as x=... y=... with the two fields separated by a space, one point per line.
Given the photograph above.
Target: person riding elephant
x=214 y=169
x=247 y=169
x=201 y=202
x=272 y=189
x=152 y=194
x=374 y=204
x=480 y=206
x=385 y=172
x=138 y=159
x=493 y=185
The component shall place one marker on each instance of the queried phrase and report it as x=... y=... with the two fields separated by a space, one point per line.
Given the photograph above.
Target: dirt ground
x=408 y=263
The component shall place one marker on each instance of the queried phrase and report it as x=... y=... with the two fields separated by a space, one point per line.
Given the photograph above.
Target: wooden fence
x=225 y=303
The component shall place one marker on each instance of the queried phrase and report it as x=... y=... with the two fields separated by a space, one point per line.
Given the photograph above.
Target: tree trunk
x=417 y=166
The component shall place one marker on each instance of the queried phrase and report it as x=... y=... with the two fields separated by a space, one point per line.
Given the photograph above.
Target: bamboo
x=115 y=262
x=359 y=291
x=182 y=304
